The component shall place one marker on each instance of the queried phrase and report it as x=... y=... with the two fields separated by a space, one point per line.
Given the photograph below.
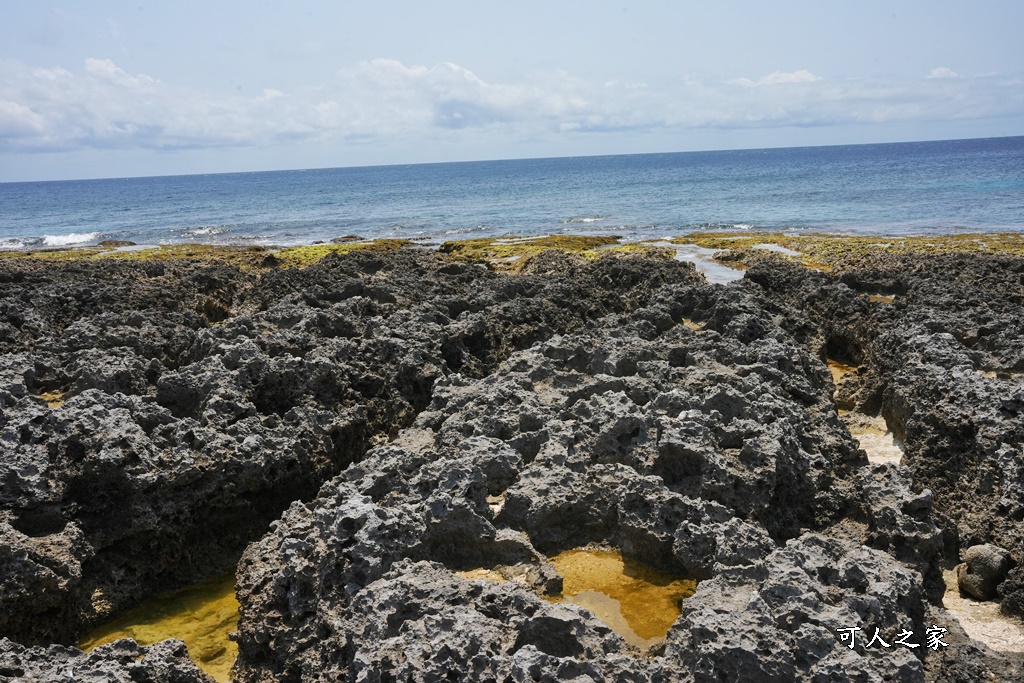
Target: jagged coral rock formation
x=158 y=416
x=144 y=446
x=120 y=662
x=942 y=363
x=704 y=452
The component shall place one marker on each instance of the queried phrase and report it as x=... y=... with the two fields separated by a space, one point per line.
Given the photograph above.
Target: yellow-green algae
x=202 y=615
x=830 y=252
x=242 y=256
x=512 y=253
x=303 y=256
x=822 y=251
x=638 y=602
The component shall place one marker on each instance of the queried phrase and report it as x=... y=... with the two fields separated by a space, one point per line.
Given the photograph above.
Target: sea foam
x=70 y=238
x=12 y=243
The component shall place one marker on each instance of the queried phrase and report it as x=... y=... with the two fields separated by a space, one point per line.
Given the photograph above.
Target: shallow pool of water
x=839 y=370
x=702 y=258
x=202 y=615
x=637 y=602
x=778 y=248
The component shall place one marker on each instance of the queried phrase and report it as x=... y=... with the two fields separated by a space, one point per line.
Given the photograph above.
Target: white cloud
x=943 y=72
x=17 y=120
x=385 y=95
x=107 y=70
x=104 y=106
x=628 y=85
x=777 y=78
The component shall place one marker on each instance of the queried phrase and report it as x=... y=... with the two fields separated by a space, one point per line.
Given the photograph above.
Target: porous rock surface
x=122 y=661
x=944 y=364
x=713 y=452
x=983 y=569
x=172 y=441
x=452 y=419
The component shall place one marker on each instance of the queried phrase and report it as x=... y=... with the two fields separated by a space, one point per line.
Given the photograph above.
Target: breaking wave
x=69 y=239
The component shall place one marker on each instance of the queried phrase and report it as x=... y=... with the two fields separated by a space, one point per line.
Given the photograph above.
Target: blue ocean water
x=903 y=188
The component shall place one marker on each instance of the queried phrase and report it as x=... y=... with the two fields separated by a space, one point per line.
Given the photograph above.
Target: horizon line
x=484 y=161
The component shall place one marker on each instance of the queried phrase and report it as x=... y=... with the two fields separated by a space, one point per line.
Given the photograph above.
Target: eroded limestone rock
x=145 y=446
x=704 y=453
x=983 y=569
x=119 y=662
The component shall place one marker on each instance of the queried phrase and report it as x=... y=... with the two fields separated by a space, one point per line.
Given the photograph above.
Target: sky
x=113 y=89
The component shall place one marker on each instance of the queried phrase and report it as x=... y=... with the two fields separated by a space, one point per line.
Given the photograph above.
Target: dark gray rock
x=699 y=453
x=780 y=619
x=122 y=661
x=942 y=364
x=900 y=522
x=170 y=443
x=452 y=418
x=966 y=659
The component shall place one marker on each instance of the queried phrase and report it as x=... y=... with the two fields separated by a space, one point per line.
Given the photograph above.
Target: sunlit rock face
x=691 y=433
x=424 y=424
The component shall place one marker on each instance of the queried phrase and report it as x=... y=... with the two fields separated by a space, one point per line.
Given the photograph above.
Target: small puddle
x=637 y=602
x=839 y=370
x=54 y=399
x=202 y=615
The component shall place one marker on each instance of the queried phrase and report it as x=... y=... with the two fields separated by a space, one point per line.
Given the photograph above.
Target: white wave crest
x=70 y=238
x=205 y=230
x=14 y=243
x=583 y=219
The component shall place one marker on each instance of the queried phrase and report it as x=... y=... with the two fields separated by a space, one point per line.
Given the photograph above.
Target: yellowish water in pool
x=201 y=614
x=637 y=602
x=839 y=370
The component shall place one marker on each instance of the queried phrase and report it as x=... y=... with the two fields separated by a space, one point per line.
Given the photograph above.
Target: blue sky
x=106 y=89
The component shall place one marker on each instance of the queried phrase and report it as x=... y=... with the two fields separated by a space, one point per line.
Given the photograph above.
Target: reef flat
x=355 y=428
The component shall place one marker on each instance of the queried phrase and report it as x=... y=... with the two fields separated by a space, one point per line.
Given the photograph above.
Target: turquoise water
x=904 y=188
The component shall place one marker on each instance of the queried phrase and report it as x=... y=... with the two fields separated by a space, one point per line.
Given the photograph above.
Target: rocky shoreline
x=354 y=431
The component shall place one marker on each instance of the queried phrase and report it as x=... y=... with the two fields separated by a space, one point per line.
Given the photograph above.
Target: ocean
x=893 y=189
